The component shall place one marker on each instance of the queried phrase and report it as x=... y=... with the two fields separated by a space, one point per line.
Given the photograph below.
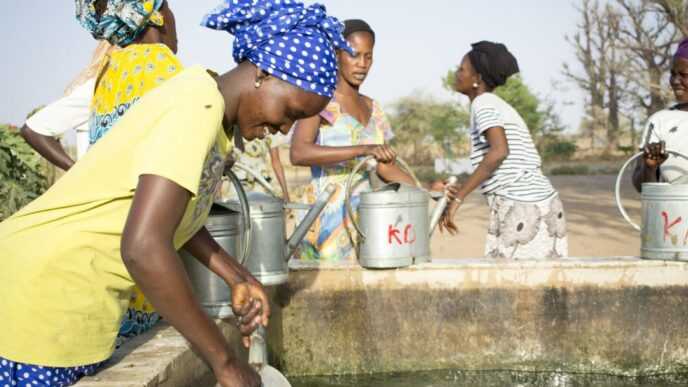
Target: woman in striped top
x=527 y=218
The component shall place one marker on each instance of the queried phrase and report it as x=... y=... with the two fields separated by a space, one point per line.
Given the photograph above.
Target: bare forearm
x=643 y=174
x=485 y=169
x=159 y=273
x=308 y=155
x=392 y=173
x=48 y=147
x=207 y=251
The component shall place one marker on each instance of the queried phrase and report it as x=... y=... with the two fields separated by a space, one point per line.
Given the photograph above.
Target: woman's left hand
x=382 y=153
x=447 y=219
x=251 y=307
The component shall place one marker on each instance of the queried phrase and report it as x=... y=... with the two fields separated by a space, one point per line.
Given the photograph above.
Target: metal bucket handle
x=245 y=216
x=619 y=177
x=349 y=187
x=268 y=187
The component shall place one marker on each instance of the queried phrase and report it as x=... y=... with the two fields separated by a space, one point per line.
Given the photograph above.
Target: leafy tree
x=21 y=175
x=419 y=121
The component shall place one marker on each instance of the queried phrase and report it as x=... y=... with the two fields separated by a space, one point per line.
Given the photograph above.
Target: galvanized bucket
x=232 y=232
x=664 y=224
x=270 y=250
x=393 y=224
x=269 y=235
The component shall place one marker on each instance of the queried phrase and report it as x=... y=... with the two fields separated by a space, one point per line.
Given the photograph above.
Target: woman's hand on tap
x=251 y=307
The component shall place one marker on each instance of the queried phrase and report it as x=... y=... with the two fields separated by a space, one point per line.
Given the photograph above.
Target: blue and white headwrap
x=284 y=38
x=123 y=20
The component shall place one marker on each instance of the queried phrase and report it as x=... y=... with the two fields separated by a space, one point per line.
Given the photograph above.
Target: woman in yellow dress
x=117 y=218
x=146 y=32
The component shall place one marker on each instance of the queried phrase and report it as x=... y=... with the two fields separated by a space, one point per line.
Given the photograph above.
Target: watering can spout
x=441 y=205
x=313 y=213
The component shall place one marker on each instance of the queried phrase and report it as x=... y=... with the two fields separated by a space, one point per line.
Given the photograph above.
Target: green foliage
x=21 y=176
x=417 y=121
x=519 y=96
x=558 y=150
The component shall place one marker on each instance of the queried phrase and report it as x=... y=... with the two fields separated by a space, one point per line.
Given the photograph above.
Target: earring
x=259 y=81
x=475 y=85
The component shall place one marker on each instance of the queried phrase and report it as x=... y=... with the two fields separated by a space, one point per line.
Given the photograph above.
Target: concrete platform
x=618 y=316
x=161 y=357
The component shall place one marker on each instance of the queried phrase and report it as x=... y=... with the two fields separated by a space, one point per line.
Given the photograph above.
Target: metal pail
x=392 y=223
x=266 y=261
x=232 y=231
x=395 y=225
x=664 y=231
x=664 y=225
x=211 y=291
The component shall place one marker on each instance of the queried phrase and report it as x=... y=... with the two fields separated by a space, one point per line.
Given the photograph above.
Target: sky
x=417 y=42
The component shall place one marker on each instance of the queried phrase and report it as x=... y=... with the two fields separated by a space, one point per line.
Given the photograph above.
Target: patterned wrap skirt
x=526 y=230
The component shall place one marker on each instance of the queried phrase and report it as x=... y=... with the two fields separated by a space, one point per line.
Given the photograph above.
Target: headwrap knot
x=493 y=62
x=284 y=38
x=122 y=21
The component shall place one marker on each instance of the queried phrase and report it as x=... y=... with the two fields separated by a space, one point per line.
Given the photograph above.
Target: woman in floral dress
x=351 y=127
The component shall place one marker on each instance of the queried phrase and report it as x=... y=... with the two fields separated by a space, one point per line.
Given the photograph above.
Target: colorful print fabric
x=122 y=21
x=330 y=237
x=27 y=375
x=127 y=75
x=526 y=230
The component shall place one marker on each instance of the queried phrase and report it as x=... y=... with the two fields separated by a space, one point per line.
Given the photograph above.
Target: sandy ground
x=596 y=227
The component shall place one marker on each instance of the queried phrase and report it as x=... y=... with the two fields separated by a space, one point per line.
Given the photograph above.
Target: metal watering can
x=270 y=250
x=252 y=229
x=231 y=230
x=663 y=230
x=393 y=226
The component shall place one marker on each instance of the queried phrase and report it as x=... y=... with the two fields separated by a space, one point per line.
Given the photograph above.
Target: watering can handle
x=260 y=179
x=245 y=216
x=619 y=177
x=440 y=206
x=349 y=187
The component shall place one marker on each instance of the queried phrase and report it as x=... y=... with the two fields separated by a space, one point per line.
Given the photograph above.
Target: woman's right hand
x=655 y=154
x=251 y=307
x=382 y=153
x=237 y=374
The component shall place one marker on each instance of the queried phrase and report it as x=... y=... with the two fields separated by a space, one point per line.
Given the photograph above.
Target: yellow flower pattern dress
x=125 y=76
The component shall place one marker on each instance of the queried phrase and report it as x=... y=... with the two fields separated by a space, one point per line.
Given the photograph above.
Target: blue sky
x=418 y=41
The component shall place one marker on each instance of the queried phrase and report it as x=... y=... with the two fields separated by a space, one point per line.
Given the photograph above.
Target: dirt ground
x=596 y=228
x=595 y=225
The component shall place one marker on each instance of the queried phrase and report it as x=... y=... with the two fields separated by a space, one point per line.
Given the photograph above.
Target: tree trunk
x=613 y=116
